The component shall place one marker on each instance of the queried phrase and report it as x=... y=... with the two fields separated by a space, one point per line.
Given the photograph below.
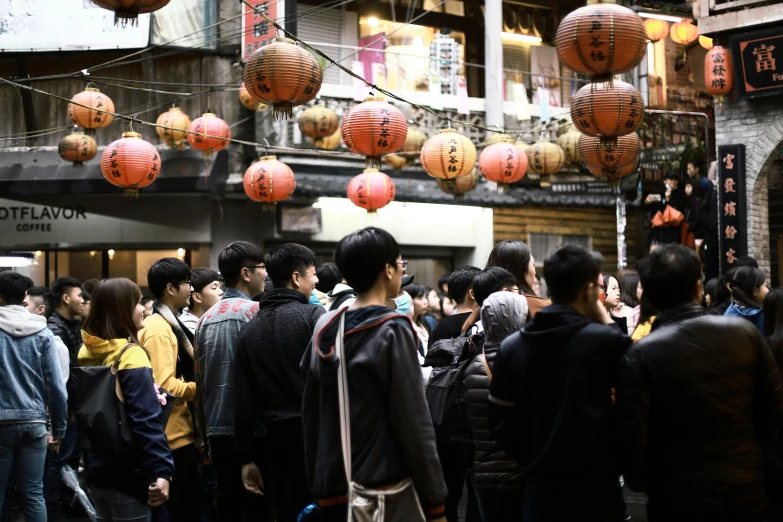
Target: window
x=541 y=245
x=187 y=17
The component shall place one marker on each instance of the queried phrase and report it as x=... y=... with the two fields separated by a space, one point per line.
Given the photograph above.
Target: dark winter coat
x=70 y=331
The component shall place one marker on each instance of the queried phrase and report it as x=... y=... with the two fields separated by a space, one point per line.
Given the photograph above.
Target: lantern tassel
x=283 y=111
x=268 y=207
x=89 y=132
x=502 y=187
x=126 y=18
x=131 y=192
x=459 y=197
x=78 y=164
x=373 y=162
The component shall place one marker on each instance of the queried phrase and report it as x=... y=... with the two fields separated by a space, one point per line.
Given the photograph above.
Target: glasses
x=253 y=267
x=403 y=264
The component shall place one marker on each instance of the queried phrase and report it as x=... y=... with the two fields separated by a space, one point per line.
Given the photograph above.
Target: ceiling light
x=661 y=17
x=181 y=252
x=521 y=38
x=372 y=21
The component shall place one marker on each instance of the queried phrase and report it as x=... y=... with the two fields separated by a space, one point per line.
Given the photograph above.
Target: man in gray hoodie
x=31 y=382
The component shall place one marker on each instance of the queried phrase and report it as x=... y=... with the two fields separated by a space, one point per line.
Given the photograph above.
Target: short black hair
x=461 y=281
x=286 y=259
x=490 y=280
x=672 y=175
x=90 y=285
x=567 y=269
x=60 y=287
x=165 y=271
x=43 y=293
x=234 y=258
x=669 y=276
x=747 y=261
x=145 y=300
x=364 y=254
x=86 y=296
x=443 y=280
x=697 y=164
x=13 y=287
x=201 y=277
x=329 y=276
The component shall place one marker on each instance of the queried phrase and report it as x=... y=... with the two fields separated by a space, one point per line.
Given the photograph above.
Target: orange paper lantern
x=448 y=155
x=601 y=40
x=607 y=109
x=613 y=176
x=208 y=134
x=174 y=128
x=92 y=111
x=318 y=122
x=269 y=180
x=706 y=42
x=718 y=67
x=656 y=29
x=78 y=148
x=282 y=75
x=247 y=101
x=684 y=32
x=371 y=190
x=568 y=142
x=374 y=128
x=609 y=154
x=460 y=186
x=130 y=163
x=129 y=10
x=503 y=163
x=546 y=158
x=330 y=142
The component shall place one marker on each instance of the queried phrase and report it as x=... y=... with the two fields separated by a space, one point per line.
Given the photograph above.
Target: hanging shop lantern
x=718 y=68
x=269 y=180
x=318 y=122
x=448 y=155
x=602 y=39
x=497 y=137
x=524 y=147
x=414 y=140
x=371 y=190
x=609 y=154
x=248 y=101
x=460 y=186
x=613 y=176
x=173 y=128
x=503 y=163
x=546 y=159
x=78 y=148
x=568 y=142
x=706 y=42
x=129 y=10
x=209 y=134
x=90 y=111
x=607 y=109
x=329 y=143
x=684 y=32
x=282 y=75
x=656 y=29
x=130 y=163
x=374 y=128
x=396 y=162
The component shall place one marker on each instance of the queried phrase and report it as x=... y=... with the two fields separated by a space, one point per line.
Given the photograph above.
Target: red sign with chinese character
x=759 y=62
x=731 y=211
x=256 y=30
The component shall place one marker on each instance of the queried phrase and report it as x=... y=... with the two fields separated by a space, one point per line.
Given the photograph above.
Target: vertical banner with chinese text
x=256 y=30
x=732 y=211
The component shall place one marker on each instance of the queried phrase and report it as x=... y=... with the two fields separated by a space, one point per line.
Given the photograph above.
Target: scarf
x=185 y=340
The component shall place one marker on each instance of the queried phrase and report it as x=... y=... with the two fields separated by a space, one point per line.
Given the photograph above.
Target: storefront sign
x=660 y=154
x=303 y=220
x=581 y=187
x=758 y=62
x=731 y=183
x=256 y=30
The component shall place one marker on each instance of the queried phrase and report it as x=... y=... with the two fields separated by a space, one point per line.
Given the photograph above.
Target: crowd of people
x=280 y=389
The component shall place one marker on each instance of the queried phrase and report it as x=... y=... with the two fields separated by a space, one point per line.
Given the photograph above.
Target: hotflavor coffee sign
x=732 y=229
x=37 y=218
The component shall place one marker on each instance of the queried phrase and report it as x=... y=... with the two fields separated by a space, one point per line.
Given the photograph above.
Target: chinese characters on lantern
x=508 y=171
x=719 y=71
x=452 y=144
x=256 y=30
x=731 y=185
x=383 y=137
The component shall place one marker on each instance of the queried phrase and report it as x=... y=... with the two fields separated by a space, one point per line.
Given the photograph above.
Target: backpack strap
x=115 y=366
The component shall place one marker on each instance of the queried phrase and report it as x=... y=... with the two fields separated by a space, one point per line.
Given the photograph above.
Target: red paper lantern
x=609 y=154
x=269 y=180
x=503 y=163
x=96 y=113
x=130 y=163
x=684 y=32
x=247 y=101
x=129 y=10
x=173 y=128
x=371 y=190
x=656 y=29
x=613 y=176
x=78 y=148
x=459 y=186
x=374 y=128
x=282 y=75
x=607 y=109
x=448 y=155
x=718 y=68
x=209 y=134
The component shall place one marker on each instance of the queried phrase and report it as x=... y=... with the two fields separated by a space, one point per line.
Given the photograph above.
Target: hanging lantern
x=601 y=40
x=524 y=147
x=78 y=148
x=129 y=10
x=90 y=118
x=613 y=176
x=706 y=42
x=414 y=140
x=269 y=180
x=718 y=71
x=684 y=32
x=396 y=162
x=374 y=128
x=546 y=159
x=329 y=143
x=282 y=75
x=568 y=142
x=208 y=134
x=130 y=163
x=607 y=109
x=503 y=163
x=318 y=122
x=371 y=190
x=612 y=154
x=448 y=155
x=460 y=186
x=248 y=101
x=656 y=29
x=174 y=128
x=497 y=137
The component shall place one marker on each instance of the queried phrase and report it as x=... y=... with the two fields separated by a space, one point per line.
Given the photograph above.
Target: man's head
x=169 y=281
x=672 y=180
x=36 y=300
x=206 y=290
x=443 y=283
x=65 y=297
x=572 y=277
x=87 y=297
x=370 y=258
x=242 y=266
x=695 y=168
x=13 y=288
x=671 y=277
x=89 y=285
x=461 y=286
x=493 y=279
x=329 y=276
x=746 y=261
x=292 y=266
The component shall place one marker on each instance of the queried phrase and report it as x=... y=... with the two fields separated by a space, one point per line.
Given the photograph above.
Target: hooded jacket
x=753 y=314
x=31 y=378
x=70 y=331
x=341 y=294
x=502 y=314
x=391 y=429
x=269 y=384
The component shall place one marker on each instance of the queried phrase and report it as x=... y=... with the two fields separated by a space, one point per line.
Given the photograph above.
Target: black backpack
x=445 y=390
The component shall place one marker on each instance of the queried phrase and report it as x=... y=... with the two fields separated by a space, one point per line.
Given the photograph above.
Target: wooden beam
x=767 y=14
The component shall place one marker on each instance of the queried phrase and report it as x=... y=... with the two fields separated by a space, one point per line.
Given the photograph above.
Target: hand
x=158 y=493
x=650 y=198
x=252 y=480
x=54 y=444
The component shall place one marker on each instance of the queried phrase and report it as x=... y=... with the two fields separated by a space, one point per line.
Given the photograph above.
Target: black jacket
x=269 y=385
x=700 y=399
x=70 y=331
x=551 y=394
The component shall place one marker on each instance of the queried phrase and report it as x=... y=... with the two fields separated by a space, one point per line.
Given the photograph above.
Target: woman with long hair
x=418 y=295
x=125 y=486
x=515 y=256
x=748 y=288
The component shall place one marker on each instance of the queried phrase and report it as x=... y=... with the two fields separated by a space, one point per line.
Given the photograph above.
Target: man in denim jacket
x=31 y=382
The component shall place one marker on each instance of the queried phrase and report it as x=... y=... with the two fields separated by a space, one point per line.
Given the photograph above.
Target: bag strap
x=484 y=362
x=115 y=366
x=343 y=399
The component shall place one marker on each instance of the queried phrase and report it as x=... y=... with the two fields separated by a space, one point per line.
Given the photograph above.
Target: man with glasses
x=242 y=266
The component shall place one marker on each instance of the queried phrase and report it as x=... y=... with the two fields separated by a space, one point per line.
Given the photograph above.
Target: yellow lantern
x=684 y=32
x=173 y=128
x=656 y=29
x=706 y=42
x=330 y=142
x=568 y=142
x=546 y=159
x=460 y=185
